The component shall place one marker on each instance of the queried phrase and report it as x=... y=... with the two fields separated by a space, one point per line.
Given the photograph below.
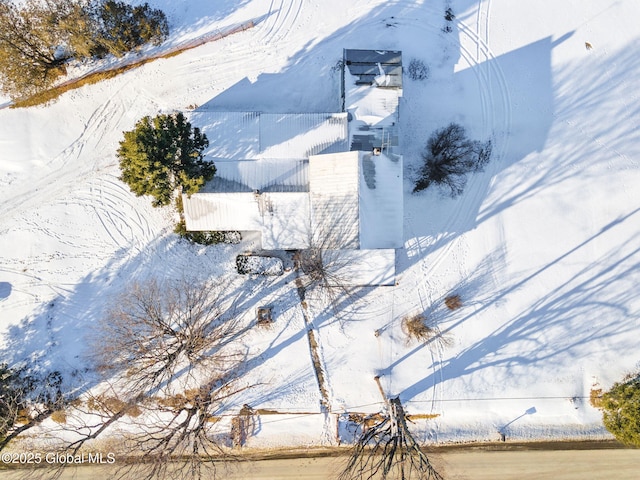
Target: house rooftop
x=256 y=135
x=379 y=67
x=372 y=88
x=263 y=175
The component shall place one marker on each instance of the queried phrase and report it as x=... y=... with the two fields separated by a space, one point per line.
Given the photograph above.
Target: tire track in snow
x=496 y=119
x=70 y=169
x=487 y=71
x=278 y=28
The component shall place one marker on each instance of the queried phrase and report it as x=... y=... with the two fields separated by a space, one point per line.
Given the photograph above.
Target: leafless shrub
x=418 y=70
x=450 y=156
x=453 y=302
x=414 y=327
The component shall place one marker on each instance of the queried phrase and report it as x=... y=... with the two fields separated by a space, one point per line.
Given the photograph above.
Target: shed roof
x=375 y=67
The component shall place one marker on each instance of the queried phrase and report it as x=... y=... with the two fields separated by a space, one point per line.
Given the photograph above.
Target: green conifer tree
x=621 y=411
x=162 y=157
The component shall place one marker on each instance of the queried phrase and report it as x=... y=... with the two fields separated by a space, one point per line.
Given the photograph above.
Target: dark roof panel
x=385 y=57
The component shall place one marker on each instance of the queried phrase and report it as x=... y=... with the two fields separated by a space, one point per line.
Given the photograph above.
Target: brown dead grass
x=112 y=405
x=423 y=416
x=595 y=397
x=59 y=416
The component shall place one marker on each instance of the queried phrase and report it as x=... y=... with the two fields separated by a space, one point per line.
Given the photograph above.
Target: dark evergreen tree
x=450 y=156
x=122 y=27
x=31 y=57
x=162 y=157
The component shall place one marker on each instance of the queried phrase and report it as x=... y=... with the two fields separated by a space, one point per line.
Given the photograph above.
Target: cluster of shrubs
x=207 y=238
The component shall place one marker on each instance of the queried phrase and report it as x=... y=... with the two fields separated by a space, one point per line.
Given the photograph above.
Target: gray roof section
x=366 y=65
x=386 y=57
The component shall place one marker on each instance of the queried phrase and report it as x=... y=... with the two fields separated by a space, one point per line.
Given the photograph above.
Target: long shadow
x=556 y=314
x=516 y=105
x=185 y=16
x=59 y=336
x=537 y=99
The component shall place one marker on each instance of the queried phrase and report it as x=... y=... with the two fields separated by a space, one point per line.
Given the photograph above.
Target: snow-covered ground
x=542 y=247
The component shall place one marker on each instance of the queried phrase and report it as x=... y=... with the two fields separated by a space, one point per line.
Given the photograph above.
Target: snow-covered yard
x=543 y=247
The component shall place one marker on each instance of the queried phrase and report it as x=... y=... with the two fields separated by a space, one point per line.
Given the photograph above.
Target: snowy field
x=543 y=247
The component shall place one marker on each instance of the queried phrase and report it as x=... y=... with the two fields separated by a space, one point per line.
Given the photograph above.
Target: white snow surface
x=542 y=247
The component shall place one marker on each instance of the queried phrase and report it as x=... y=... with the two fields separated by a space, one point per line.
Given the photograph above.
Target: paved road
x=528 y=465
x=456 y=465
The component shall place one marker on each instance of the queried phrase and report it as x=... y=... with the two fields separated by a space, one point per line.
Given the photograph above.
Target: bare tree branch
x=388 y=450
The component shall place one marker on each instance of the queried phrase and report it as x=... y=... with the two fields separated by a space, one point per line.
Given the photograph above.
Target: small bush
x=418 y=70
x=453 y=302
x=448 y=15
x=259 y=265
x=414 y=327
x=242 y=265
x=59 y=416
x=207 y=238
x=595 y=397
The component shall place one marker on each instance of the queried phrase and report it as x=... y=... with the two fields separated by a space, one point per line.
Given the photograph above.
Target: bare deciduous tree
x=388 y=451
x=26 y=399
x=159 y=333
x=168 y=353
x=158 y=437
x=324 y=266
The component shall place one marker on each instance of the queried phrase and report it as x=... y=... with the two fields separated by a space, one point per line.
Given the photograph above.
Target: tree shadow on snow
x=515 y=97
x=554 y=324
x=58 y=336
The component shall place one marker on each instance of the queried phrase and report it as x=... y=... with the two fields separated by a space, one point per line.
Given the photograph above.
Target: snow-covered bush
x=259 y=265
x=418 y=70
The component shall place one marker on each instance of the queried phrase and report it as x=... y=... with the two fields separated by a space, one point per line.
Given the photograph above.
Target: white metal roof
x=299 y=135
x=231 y=135
x=380 y=201
x=334 y=198
x=282 y=218
x=252 y=135
x=273 y=175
